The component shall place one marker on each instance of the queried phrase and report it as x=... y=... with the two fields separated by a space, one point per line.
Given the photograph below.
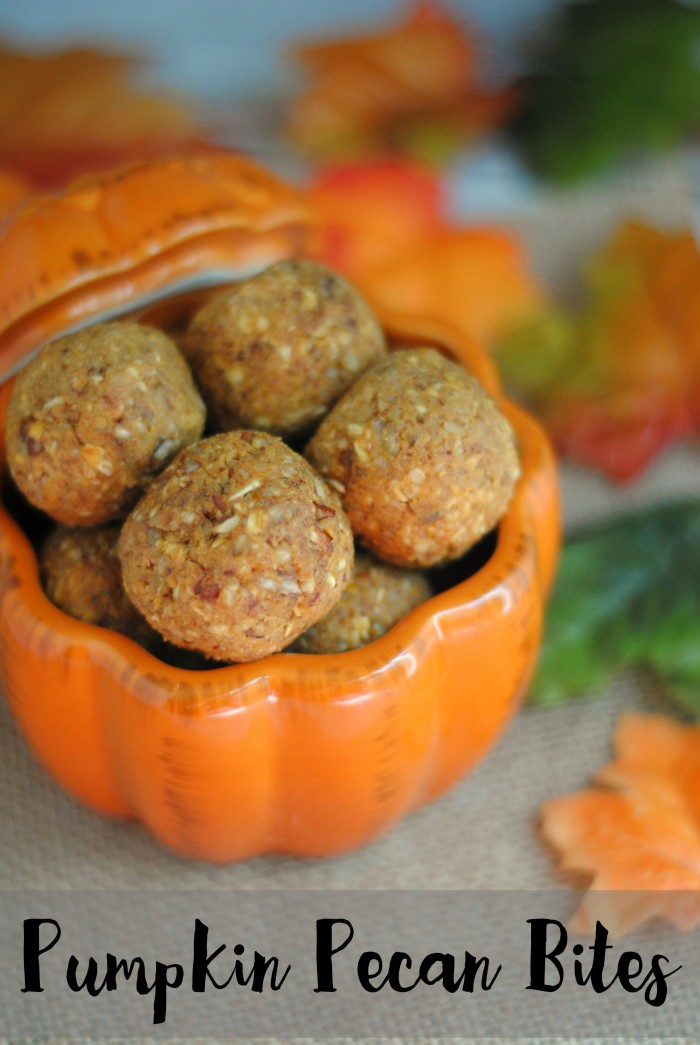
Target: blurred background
x=222 y=50
x=236 y=69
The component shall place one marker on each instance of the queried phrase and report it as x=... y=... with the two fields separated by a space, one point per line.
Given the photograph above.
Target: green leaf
x=613 y=77
x=627 y=593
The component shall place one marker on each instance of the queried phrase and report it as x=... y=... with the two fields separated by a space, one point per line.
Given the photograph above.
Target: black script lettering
x=114 y=967
x=121 y=965
x=366 y=973
x=261 y=964
x=539 y=955
x=160 y=985
x=325 y=952
x=657 y=990
x=599 y=947
x=469 y=973
x=32 y=951
x=629 y=972
x=89 y=984
x=201 y=960
x=370 y=967
x=629 y=968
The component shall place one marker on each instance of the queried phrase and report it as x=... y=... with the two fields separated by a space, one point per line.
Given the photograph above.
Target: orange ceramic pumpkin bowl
x=299 y=754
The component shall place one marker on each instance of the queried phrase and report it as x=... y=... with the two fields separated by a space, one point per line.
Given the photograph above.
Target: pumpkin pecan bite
x=425 y=461
x=376 y=598
x=237 y=548
x=277 y=351
x=95 y=415
x=81 y=574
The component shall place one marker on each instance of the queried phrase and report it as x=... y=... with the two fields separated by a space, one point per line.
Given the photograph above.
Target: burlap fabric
x=482 y=834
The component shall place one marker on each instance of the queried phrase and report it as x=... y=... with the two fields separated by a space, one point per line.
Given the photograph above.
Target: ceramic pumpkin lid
x=114 y=243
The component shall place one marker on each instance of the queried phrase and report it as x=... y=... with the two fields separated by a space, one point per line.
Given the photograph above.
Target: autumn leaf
x=384 y=225
x=619 y=380
x=627 y=594
x=65 y=112
x=636 y=834
x=372 y=212
x=408 y=88
x=475 y=278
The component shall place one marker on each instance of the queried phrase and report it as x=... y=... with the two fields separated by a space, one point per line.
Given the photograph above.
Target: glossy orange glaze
x=295 y=753
x=12 y=191
x=142 y=231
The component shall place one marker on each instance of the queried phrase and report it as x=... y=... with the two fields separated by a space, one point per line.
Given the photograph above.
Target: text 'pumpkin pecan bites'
x=236 y=548
x=425 y=461
x=95 y=415
x=277 y=351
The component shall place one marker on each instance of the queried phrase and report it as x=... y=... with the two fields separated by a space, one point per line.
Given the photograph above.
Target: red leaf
x=630 y=382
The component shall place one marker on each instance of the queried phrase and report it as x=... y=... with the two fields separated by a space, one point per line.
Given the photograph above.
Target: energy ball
x=424 y=460
x=81 y=574
x=236 y=548
x=276 y=352
x=376 y=598
x=95 y=415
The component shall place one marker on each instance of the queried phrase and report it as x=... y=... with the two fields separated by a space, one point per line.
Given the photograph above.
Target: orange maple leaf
x=384 y=225
x=476 y=278
x=65 y=112
x=409 y=85
x=637 y=834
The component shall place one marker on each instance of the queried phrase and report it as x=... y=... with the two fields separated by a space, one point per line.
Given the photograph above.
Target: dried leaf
x=624 y=381
x=409 y=88
x=65 y=112
x=384 y=225
x=474 y=278
x=636 y=835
